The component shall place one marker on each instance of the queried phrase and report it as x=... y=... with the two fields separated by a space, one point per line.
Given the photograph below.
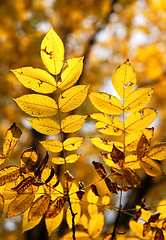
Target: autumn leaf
x=28 y=158
x=104 y=144
x=110 y=185
x=100 y=169
x=52 y=145
x=55 y=207
x=71 y=144
x=37 y=105
x=1 y=204
x=8 y=174
x=36 y=79
x=158 y=152
x=72 y=123
x=72 y=98
x=151 y=167
x=53 y=223
x=96 y=225
x=12 y=136
x=52 y=52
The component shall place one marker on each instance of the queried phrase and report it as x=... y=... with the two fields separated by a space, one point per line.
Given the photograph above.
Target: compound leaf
x=71 y=73
x=137 y=99
x=72 y=123
x=37 y=105
x=36 y=79
x=12 y=136
x=72 y=98
x=139 y=120
x=71 y=144
x=52 y=52
x=52 y=145
x=45 y=125
x=124 y=79
x=108 y=125
x=20 y=204
x=106 y=103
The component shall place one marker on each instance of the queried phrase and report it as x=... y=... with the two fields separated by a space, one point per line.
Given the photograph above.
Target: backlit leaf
x=36 y=79
x=39 y=207
x=37 y=105
x=131 y=161
x=146 y=228
x=52 y=52
x=92 y=210
x=20 y=204
x=110 y=185
x=151 y=167
x=124 y=79
x=58 y=160
x=138 y=99
x=106 y=103
x=72 y=158
x=24 y=184
x=108 y=125
x=72 y=98
x=104 y=144
x=29 y=157
x=52 y=145
x=139 y=120
x=91 y=197
x=45 y=125
x=159 y=235
x=158 y=152
x=71 y=73
x=1 y=204
x=79 y=236
x=108 y=160
x=142 y=147
x=77 y=210
x=71 y=144
x=106 y=199
x=8 y=174
x=53 y=223
x=100 y=169
x=131 y=177
x=84 y=221
x=8 y=193
x=72 y=123
x=2 y=159
x=117 y=156
x=137 y=228
x=55 y=207
x=96 y=225
x=11 y=138
x=42 y=165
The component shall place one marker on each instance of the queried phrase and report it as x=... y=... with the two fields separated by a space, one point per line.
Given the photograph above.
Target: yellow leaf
x=106 y=199
x=2 y=159
x=37 y=105
x=106 y=103
x=36 y=79
x=72 y=123
x=137 y=99
x=53 y=223
x=45 y=125
x=12 y=136
x=151 y=167
x=20 y=204
x=77 y=210
x=137 y=228
x=139 y=120
x=39 y=207
x=8 y=193
x=27 y=225
x=104 y=144
x=52 y=52
x=71 y=144
x=108 y=125
x=29 y=157
x=91 y=197
x=52 y=145
x=9 y=174
x=55 y=207
x=79 y=236
x=108 y=160
x=1 y=204
x=158 y=152
x=132 y=162
x=92 y=210
x=132 y=139
x=72 y=98
x=124 y=79
x=72 y=158
x=161 y=208
x=96 y=225
x=71 y=73
x=84 y=221
x=72 y=193
x=58 y=160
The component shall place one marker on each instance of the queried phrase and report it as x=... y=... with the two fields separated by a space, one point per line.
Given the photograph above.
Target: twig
x=116 y=224
x=73 y=217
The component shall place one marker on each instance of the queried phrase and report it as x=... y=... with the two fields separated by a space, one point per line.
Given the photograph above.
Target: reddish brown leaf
x=94 y=190
x=164 y=225
x=24 y=184
x=146 y=228
x=131 y=177
x=29 y=157
x=115 y=173
x=154 y=217
x=51 y=175
x=111 y=185
x=142 y=147
x=42 y=165
x=11 y=138
x=137 y=215
x=55 y=207
x=69 y=178
x=159 y=235
x=80 y=193
x=39 y=207
x=117 y=156
x=100 y=169
x=1 y=204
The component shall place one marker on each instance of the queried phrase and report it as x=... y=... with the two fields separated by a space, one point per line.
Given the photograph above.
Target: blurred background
x=106 y=33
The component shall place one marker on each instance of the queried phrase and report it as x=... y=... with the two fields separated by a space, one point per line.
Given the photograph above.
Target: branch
x=73 y=217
